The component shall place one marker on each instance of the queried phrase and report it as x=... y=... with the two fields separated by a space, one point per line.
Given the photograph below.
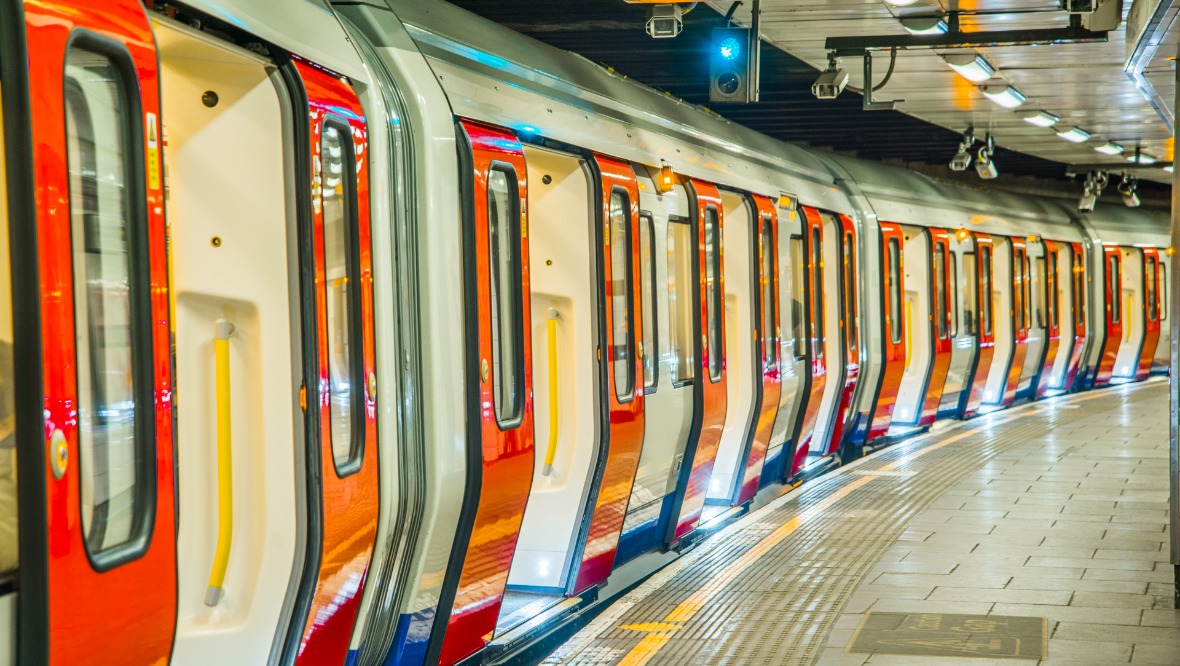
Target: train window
x=953 y=292
x=111 y=302
x=894 y=291
x=1018 y=288
x=798 y=296
x=969 y=296
x=850 y=314
x=647 y=284
x=1163 y=300
x=505 y=288
x=681 y=253
x=712 y=345
x=1043 y=286
x=985 y=289
x=1051 y=288
x=1152 y=288
x=622 y=357
x=769 y=295
x=1079 y=289
x=939 y=279
x=341 y=281
x=817 y=290
x=1115 y=284
x=8 y=517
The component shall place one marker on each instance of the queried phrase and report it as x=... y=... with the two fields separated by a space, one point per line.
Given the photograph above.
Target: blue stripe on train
x=411 y=639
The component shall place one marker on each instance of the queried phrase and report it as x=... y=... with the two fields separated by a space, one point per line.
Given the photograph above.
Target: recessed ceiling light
x=1168 y=169
x=1143 y=158
x=1075 y=135
x=970 y=66
x=1110 y=149
x=900 y=3
x=1042 y=119
x=924 y=25
x=1006 y=96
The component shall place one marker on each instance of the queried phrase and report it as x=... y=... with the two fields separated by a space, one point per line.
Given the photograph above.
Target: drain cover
x=945 y=635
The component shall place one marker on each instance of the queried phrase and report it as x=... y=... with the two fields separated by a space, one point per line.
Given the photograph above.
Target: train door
x=1036 y=305
x=500 y=405
x=812 y=247
x=919 y=327
x=844 y=322
x=984 y=324
x=963 y=323
x=1134 y=314
x=1079 y=294
x=1113 y=321
x=743 y=380
x=566 y=399
x=96 y=491
x=794 y=366
x=9 y=509
x=710 y=397
x=667 y=252
x=892 y=288
x=1161 y=359
x=1151 y=308
x=1061 y=328
x=1021 y=317
x=942 y=300
x=1004 y=326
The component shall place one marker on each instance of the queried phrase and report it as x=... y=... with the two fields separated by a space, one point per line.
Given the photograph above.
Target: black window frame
x=685 y=297
x=714 y=297
x=625 y=393
x=816 y=266
x=516 y=265
x=651 y=340
x=799 y=295
x=768 y=287
x=938 y=271
x=893 y=259
x=986 y=276
x=851 y=303
x=1114 y=282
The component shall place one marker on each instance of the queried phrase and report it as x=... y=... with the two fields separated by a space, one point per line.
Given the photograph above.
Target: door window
x=1018 y=288
x=8 y=517
x=681 y=253
x=939 y=279
x=985 y=291
x=1163 y=300
x=894 y=252
x=766 y=251
x=111 y=306
x=1152 y=278
x=647 y=285
x=506 y=277
x=713 y=303
x=1079 y=289
x=969 y=295
x=817 y=291
x=798 y=295
x=1043 y=287
x=850 y=313
x=1051 y=286
x=1115 y=287
x=621 y=294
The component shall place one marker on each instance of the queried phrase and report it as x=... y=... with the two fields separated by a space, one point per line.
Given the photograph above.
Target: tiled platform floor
x=1055 y=510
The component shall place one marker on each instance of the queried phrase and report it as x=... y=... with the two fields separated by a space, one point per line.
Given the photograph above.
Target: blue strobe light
x=730 y=48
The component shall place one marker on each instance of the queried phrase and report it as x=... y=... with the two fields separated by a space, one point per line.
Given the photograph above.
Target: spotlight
x=971 y=66
x=1095 y=181
x=962 y=159
x=1141 y=158
x=831 y=82
x=1109 y=148
x=984 y=165
x=1128 y=189
x=665 y=21
x=1075 y=135
x=1042 y=119
x=925 y=25
x=1006 y=96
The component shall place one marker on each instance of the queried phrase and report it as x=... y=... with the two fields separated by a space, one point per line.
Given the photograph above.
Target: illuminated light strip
x=659 y=633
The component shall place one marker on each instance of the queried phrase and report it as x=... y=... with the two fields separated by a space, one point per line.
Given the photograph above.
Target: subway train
x=377 y=333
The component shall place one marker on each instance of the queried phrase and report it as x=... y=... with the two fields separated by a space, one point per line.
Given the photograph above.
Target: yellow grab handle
x=909 y=332
x=225 y=465
x=1127 y=324
x=551 y=452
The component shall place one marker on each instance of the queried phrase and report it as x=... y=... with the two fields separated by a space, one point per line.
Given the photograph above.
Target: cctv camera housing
x=830 y=84
x=986 y=169
x=961 y=161
x=665 y=21
x=1086 y=204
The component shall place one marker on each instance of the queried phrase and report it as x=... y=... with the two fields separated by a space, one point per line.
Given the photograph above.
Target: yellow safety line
x=551 y=452
x=659 y=633
x=225 y=480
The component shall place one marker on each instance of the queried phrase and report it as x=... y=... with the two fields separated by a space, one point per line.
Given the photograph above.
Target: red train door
x=500 y=455
x=940 y=312
x=712 y=400
x=1052 y=316
x=849 y=325
x=343 y=394
x=620 y=266
x=1113 y=291
x=1078 y=311
x=984 y=326
x=893 y=292
x=768 y=328
x=1020 y=317
x=813 y=232
x=1151 y=306
x=102 y=470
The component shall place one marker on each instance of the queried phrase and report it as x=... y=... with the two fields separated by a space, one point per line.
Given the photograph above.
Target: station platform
x=1032 y=535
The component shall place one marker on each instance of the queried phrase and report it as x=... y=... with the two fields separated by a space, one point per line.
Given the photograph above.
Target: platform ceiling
x=1083 y=83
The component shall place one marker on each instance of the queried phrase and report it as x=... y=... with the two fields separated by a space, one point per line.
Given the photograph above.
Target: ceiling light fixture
x=1109 y=148
x=900 y=3
x=925 y=25
x=1141 y=158
x=1006 y=96
x=971 y=66
x=1169 y=168
x=1042 y=119
x=1075 y=135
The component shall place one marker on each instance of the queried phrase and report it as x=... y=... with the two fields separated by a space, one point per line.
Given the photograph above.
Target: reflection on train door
x=1078 y=293
x=814 y=310
x=95 y=410
x=1151 y=305
x=893 y=291
x=941 y=312
x=500 y=444
x=986 y=309
x=342 y=382
x=964 y=324
x=621 y=267
x=711 y=391
x=1048 y=270
x=1021 y=312
x=1113 y=292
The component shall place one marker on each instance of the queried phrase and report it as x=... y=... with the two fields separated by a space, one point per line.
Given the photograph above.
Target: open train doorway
x=918 y=317
x=963 y=289
x=1131 y=299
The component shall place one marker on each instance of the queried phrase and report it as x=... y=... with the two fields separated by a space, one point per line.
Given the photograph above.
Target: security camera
x=985 y=165
x=1086 y=203
x=1127 y=189
x=830 y=84
x=665 y=21
x=1080 y=6
x=1095 y=181
x=961 y=161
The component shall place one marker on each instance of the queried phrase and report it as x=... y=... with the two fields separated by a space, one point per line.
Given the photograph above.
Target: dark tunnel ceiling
x=611 y=32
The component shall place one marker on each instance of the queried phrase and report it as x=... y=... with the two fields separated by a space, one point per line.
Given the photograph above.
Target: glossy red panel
x=1114 y=329
x=507 y=473
x=813 y=225
x=984 y=275
x=1151 y=320
x=350 y=504
x=713 y=391
x=1050 y=290
x=626 y=418
x=133 y=605
x=939 y=251
x=848 y=329
x=894 y=351
x=765 y=212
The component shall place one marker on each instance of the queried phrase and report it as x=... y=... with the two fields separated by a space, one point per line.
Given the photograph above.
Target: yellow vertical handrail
x=551 y=452
x=222 y=329
x=1127 y=320
x=908 y=333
